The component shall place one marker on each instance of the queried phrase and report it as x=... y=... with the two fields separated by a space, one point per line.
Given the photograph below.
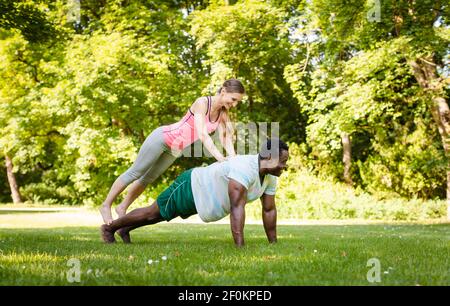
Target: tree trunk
x=15 y=194
x=347 y=157
x=448 y=195
x=425 y=72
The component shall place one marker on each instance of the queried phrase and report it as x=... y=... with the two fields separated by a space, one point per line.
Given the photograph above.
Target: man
x=213 y=192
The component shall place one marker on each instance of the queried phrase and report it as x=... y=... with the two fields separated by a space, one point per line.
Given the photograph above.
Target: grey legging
x=153 y=159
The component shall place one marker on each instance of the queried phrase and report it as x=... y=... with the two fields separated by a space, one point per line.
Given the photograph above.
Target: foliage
x=360 y=82
x=302 y=195
x=78 y=96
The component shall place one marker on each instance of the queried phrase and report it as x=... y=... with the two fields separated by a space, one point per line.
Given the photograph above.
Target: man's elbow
x=236 y=232
x=269 y=211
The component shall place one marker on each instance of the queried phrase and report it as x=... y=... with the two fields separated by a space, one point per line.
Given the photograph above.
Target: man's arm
x=238 y=198
x=269 y=214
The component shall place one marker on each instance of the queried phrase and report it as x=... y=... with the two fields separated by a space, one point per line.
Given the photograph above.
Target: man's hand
x=238 y=199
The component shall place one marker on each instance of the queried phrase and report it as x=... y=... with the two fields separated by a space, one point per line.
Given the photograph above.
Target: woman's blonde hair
x=231 y=86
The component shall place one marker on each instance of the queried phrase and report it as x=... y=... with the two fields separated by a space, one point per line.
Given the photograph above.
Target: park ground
x=61 y=246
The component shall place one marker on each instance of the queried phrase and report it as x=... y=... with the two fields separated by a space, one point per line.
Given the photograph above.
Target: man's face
x=278 y=165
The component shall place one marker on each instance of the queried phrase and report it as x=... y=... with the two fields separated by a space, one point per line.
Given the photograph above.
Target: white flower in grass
x=315 y=251
x=164 y=258
x=150 y=261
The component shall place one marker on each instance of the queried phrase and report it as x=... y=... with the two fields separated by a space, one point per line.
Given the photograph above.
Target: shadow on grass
x=28 y=211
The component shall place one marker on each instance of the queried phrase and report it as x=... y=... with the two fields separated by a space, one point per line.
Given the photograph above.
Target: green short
x=177 y=199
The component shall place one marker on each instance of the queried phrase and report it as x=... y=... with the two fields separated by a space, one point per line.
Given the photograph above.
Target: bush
x=302 y=195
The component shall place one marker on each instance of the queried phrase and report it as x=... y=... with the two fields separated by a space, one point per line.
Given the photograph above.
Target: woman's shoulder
x=200 y=105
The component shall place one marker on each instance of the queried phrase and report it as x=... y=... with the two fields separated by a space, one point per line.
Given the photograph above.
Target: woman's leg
x=105 y=209
x=135 y=190
x=148 y=155
x=164 y=161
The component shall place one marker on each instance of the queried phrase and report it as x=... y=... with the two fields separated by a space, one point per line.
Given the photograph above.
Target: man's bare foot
x=125 y=235
x=107 y=236
x=105 y=211
x=121 y=211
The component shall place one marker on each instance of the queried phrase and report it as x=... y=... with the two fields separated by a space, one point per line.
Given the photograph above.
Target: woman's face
x=230 y=99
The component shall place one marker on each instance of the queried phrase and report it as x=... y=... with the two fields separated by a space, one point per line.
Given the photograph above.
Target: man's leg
x=136 y=218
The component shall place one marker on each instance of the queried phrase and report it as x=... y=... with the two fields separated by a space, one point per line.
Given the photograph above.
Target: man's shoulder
x=250 y=160
x=244 y=163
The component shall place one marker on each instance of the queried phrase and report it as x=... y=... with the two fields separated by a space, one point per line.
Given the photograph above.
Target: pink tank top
x=181 y=134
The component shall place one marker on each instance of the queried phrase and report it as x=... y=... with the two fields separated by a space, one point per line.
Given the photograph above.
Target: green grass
x=409 y=254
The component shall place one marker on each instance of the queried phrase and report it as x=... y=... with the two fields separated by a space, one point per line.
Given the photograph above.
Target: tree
x=364 y=83
x=250 y=41
x=15 y=193
x=76 y=110
x=28 y=18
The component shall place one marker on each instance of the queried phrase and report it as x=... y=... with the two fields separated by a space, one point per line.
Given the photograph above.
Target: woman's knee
x=130 y=176
x=145 y=180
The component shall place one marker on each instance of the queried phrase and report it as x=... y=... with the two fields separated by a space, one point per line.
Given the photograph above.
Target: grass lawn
x=203 y=254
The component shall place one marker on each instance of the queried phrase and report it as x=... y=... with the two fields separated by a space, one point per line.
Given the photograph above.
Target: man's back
x=210 y=185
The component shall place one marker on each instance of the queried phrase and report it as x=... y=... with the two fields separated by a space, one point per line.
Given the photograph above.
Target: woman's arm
x=199 y=109
x=226 y=136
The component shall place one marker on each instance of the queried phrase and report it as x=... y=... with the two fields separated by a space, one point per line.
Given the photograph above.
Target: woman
x=164 y=144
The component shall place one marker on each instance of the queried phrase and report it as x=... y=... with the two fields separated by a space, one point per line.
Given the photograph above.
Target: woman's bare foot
x=105 y=211
x=107 y=236
x=121 y=211
x=125 y=235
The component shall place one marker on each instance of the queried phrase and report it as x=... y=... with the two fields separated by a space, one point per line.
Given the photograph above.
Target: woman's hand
x=222 y=159
x=226 y=158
